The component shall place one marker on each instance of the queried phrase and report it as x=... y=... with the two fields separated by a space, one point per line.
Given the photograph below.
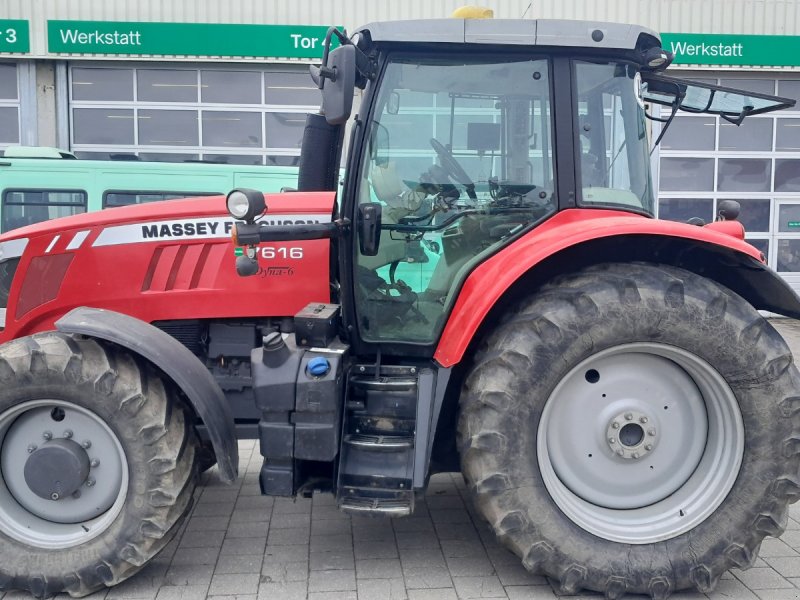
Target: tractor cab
x=470 y=134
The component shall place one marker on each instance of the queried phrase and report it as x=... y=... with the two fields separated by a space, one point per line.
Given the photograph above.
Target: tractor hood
x=165 y=261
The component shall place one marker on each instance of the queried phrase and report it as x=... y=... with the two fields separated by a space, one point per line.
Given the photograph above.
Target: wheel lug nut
x=54 y=496
x=651 y=431
x=47 y=435
x=31 y=448
x=620 y=452
x=648 y=447
x=612 y=440
x=89 y=482
x=628 y=417
x=643 y=420
x=95 y=463
x=86 y=445
x=635 y=455
x=615 y=425
x=68 y=434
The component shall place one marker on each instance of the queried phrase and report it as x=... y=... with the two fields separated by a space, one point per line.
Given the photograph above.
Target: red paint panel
x=164 y=268
x=43 y=279
x=489 y=281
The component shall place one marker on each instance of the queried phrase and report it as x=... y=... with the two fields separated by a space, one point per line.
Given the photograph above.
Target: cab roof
x=528 y=32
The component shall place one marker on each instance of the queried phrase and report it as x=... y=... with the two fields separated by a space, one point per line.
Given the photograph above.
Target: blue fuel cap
x=318 y=366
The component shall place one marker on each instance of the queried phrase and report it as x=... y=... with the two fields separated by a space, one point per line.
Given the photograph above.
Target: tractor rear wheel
x=97 y=463
x=633 y=428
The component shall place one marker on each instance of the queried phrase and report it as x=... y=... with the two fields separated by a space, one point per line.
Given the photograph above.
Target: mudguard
x=172 y=357
x=576 y=238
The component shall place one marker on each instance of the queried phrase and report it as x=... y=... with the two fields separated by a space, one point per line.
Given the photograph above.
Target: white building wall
x=761 y=17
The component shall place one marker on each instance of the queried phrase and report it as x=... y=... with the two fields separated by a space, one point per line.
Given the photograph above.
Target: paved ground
x=239 y=545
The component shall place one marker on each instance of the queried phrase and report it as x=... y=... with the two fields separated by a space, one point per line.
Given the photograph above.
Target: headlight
x=245 y=204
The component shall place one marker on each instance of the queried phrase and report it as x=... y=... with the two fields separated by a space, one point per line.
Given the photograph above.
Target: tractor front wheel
x=630 y=429
x=97 y=465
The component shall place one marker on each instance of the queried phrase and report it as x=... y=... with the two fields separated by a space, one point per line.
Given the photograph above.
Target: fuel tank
x=161 y=261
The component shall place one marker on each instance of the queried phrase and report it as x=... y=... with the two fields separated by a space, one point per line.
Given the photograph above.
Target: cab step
x=379 y=443
x=399 y=506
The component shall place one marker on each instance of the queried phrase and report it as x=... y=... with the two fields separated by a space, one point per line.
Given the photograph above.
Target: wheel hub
x=57 y=469
x=631 y=435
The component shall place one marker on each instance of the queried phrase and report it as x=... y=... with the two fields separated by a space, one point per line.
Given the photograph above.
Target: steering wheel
x=453 y=168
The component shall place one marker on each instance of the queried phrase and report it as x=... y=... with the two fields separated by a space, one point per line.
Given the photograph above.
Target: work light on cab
x=245 y=204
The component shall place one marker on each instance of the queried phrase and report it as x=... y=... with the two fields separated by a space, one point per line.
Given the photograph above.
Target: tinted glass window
x=683 y=209
x=790 y=89
x=102 y=84
x=787 y=135
x=754 y=214
x=753 y=134
x=687 y=174
x=284 y=130
x=235 y=159
x=232 y=129
x=168 y=127
x=690 y=133
x=102 y=126
x=9 y=125
x=124 y=198
x=26 y=207
x=787 y=258
x=8 y=81
x=787 y=175
x=291 y=88
x=166 y=85
x=760 y=243
x=231 y=87
x=744 y=174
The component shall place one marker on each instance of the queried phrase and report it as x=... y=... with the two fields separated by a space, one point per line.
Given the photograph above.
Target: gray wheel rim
x=640 y=443
x=72 y=520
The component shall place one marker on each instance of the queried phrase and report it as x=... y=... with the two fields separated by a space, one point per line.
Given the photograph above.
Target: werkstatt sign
x=14 y=36
x=193 y=39
x=729 y=49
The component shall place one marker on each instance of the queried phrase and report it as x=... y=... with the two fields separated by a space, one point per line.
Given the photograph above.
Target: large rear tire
x=633 y=428
x=97 y=461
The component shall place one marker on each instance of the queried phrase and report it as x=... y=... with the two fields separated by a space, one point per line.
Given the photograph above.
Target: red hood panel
x=164 y=261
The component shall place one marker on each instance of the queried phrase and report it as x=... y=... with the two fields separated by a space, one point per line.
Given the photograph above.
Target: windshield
x=613 y=146
x=459 y=156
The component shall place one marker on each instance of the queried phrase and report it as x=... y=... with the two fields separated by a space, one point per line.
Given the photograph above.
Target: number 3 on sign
x=11 y=35
x=268 y=252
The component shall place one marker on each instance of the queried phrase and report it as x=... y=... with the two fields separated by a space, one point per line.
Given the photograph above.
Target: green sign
x=192 y=39
x=731 y=49
x=793 y=224
x=14 y=36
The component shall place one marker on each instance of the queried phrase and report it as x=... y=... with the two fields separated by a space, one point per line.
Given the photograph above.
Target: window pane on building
x=102 y=126
x=283 y=161
x=166 y=85
x=687 y=174
x=168 y=156
x=234 y=159
x=790 y=89
x=231 y=87
x=762 y=245
x=690 y=133
x=787 y=175
x=752 y=135
x=788 y=256
x=168 y=127
x=98 y=84
x=759 y=86
x=744 y=174
x=787 y=135
x=285 y=130
x=9 y=125
x=232 y=129
x=291 y=88
x=754 y=214
x=8 y=81
x=789 y=218
x=683 y=209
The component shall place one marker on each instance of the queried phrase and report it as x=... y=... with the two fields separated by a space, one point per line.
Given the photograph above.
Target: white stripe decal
x=13 y=248
x=52 y=243
x=2 y=317
x=77 y=240
x=192 y=229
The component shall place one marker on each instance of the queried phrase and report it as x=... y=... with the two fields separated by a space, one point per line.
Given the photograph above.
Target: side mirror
x=338 y=84
x=369 y=228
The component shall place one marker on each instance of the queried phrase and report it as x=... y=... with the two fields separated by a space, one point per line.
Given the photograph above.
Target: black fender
x=177 y=362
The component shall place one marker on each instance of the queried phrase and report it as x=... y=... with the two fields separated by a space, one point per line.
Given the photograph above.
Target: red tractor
x=489 y=293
